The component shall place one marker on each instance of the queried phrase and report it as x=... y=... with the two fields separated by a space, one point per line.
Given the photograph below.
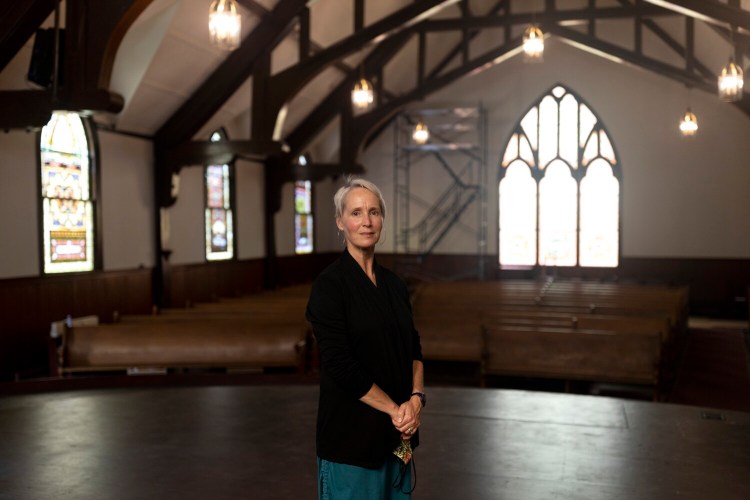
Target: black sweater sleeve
x=326 y=313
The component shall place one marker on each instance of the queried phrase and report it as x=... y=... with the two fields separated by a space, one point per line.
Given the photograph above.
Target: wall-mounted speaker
x=43 y=57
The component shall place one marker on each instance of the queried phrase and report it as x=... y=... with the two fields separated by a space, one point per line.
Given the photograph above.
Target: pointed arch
x=219 y=201
x=303 y=217
x=559 y=188
x=67 y=195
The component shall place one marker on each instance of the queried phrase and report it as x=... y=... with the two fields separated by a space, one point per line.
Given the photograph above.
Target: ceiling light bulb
x=224 y=24
x=533 y=44
x=731 y=81
x=362 y=95
x=421 y=133
x=689 y=124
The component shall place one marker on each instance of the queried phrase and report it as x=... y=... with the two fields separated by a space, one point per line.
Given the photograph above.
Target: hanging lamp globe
x=731 y=82
x=362 y=94
x=421 y=133
x=533 y=44
x=224 y=24
x=689 y=124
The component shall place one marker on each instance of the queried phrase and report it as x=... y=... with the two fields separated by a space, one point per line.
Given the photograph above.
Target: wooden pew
x=461 y=300
x=477 y=297
x=450 y=338
x=630 y=323
x=571 y=354
x=265 y=330
x=56 y=340
x=193 y=343
x=452 y=316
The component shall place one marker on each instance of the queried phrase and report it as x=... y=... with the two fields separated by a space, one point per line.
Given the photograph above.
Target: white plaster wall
x=186 y=216
x=187 y=219
x=249 y=211
x=324 y=227
x=127 y=202
x=681 y=198
x=326 y=237
x=284 y=221
x=19 y=217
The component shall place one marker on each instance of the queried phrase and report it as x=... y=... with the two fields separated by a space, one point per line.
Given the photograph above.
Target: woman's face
x=361 y=219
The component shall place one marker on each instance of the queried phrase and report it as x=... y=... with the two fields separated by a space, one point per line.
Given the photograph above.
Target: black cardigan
x=365 y=335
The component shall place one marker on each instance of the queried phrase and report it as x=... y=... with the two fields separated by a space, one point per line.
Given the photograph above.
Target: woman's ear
x=338 y=224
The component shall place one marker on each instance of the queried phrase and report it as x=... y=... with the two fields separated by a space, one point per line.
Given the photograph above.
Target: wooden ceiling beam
x=710 y=11
x=357 y=131
x=230 y=75
x=555 y=16
x=330 y=106
x=93 y=32
x=18 y=22
x=271 y=93
x=220 y=152
x=621 y=55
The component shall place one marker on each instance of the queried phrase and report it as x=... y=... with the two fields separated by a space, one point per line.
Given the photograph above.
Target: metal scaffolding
x=456 y=154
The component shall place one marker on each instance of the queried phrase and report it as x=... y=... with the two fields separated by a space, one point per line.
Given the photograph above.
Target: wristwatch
x=422 y=397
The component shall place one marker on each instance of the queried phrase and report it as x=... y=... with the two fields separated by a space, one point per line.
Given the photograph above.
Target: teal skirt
x=349 y=482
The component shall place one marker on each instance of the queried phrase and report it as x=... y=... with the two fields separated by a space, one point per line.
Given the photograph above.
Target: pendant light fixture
x=421 y=133
x=731 y=81
x=224 y=24
x=533 y=44
x=689 y=124
x=362 y=93
x=731 y=78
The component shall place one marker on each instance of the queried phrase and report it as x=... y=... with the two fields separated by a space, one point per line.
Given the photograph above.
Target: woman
x=372 y=378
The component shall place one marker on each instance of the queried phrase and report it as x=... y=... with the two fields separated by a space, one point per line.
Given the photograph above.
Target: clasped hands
x=406 y=419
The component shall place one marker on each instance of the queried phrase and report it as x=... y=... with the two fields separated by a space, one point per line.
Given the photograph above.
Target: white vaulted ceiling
x=166 y=55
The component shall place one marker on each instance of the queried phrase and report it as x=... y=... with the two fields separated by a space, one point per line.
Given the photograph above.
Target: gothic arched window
x=218 y=219
x=303 y=217
x=559 y=188
x=68 y=206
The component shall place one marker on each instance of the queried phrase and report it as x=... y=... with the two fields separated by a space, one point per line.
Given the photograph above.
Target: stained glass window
x=559 y=190
x=67 y=205
x=303 y=217
x=218 y=219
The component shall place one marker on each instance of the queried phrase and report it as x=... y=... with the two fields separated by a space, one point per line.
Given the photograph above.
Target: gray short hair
x=349 y=184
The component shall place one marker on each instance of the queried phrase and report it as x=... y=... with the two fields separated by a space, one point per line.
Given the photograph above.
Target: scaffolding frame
x=458 y=145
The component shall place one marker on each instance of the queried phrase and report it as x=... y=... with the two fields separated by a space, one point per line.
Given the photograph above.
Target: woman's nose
x=366 y=219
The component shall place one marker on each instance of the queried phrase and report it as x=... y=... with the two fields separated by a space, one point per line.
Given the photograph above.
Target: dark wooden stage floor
x=237 y=442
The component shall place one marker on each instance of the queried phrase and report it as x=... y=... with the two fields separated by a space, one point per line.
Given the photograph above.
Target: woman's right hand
x=407 y=420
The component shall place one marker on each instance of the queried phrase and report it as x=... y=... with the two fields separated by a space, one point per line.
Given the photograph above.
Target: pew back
x=214 y=343
x=548 y=352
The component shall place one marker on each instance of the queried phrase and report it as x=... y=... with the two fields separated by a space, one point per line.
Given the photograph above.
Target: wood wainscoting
x=210 y=281
x=29 y=305
x=718 y=288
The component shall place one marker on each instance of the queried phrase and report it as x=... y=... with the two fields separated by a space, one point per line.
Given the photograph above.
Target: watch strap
x=422 y=397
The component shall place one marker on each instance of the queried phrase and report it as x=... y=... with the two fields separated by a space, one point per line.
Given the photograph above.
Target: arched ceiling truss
x=99 y=26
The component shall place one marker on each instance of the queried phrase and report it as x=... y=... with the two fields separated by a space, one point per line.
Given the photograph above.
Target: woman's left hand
x=407 y=422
